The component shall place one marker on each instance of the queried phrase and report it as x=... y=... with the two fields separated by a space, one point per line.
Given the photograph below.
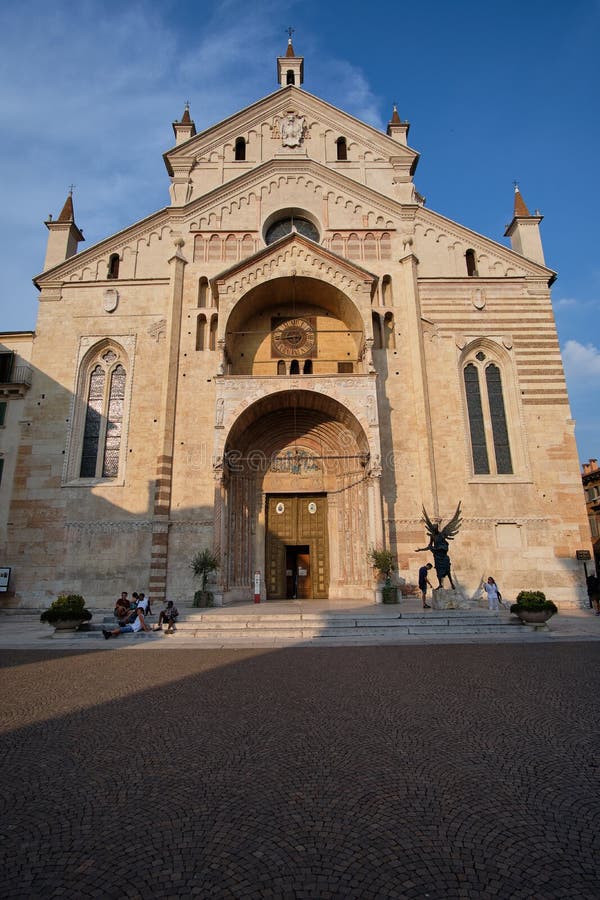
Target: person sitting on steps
x=168 y=615
x=138 y=624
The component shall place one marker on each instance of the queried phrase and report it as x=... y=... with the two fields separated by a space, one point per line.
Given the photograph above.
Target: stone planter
x=203 y=599
x=67 y=625
x=534 y=616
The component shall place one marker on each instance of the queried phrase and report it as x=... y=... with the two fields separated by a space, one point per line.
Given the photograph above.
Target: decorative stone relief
x=371 y=414
x=291 y=128
x=110 y=299
x=479 y=299
x=106 y=527
x=159 y=330
x=295 y=462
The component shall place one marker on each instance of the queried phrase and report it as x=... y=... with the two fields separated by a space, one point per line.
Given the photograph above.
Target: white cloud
x=88 y=96
x=581 y=361
x=566 y=301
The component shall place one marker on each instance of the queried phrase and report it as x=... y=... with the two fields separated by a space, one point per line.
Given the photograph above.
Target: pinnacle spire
x=524 y=231
x=185 y=128
x=290 y=68
x=290 y=47
x=397 y=129
x=520 y=205
x=67 y=213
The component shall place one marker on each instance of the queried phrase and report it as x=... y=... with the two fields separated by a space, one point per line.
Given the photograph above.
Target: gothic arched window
x=104 y=411
x=486 y=410
x=342 y=149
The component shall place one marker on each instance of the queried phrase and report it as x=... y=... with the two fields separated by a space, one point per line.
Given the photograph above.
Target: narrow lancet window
x=240 y=149
x=93 y=422
x=498 y=418
x=471 y=263
x=481 y=465
x=113 y=266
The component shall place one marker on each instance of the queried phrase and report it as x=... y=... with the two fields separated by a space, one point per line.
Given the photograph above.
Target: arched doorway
x=297 y=502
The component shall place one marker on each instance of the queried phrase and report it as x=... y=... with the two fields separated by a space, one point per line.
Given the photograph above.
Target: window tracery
x=104 y=382
x=486 y=402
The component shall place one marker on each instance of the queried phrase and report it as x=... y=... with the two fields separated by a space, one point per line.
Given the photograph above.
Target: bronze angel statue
x=438 y=543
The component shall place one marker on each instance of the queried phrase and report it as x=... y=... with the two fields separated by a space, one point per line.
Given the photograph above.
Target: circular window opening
x=288 y=224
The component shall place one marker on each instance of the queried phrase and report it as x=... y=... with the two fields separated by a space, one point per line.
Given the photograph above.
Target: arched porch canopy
x=317 y=422
x=285 y=294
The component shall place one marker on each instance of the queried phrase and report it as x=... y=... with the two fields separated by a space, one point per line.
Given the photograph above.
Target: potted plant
x=203 y=564
x=67 y=613
x=533 y=608
x=383 y=562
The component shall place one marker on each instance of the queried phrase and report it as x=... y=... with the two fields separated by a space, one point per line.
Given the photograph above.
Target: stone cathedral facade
x=285 y=364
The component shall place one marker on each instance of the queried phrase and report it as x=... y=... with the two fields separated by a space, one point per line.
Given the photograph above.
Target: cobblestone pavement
x=412 y=771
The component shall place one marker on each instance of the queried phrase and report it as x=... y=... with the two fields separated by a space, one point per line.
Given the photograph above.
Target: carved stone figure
x=438 y=543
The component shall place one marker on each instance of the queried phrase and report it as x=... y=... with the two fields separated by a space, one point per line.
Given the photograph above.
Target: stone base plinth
x=450 y=599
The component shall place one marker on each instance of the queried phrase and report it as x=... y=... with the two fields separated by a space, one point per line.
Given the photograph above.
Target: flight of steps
x=222 y=627
x=254 y=627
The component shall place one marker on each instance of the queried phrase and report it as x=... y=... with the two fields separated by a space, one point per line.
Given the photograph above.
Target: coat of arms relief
x=291 y=129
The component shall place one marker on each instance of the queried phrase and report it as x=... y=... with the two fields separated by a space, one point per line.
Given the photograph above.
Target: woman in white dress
x=493 y=594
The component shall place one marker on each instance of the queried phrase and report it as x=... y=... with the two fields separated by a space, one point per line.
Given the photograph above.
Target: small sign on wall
x=583 y=554
x=4 y=578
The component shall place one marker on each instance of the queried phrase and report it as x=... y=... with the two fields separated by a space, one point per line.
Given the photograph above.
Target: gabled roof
x=486 y=243
x=274 y=104
x=182 y=216
x=179 y=216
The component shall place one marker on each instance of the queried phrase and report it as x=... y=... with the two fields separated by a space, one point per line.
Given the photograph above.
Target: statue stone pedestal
x=450 y=599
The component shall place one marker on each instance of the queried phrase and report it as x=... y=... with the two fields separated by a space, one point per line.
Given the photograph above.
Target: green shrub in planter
x=533 y=601
x=67 y=608
x=383 y=561
x=203 y=564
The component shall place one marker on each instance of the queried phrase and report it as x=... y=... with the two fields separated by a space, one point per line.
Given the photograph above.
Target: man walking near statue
x=423 y=582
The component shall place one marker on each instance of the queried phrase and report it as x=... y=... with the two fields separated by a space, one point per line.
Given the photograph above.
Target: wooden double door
x=297 y=547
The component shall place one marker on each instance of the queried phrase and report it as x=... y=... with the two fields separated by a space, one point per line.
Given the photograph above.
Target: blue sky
x=494 y=92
